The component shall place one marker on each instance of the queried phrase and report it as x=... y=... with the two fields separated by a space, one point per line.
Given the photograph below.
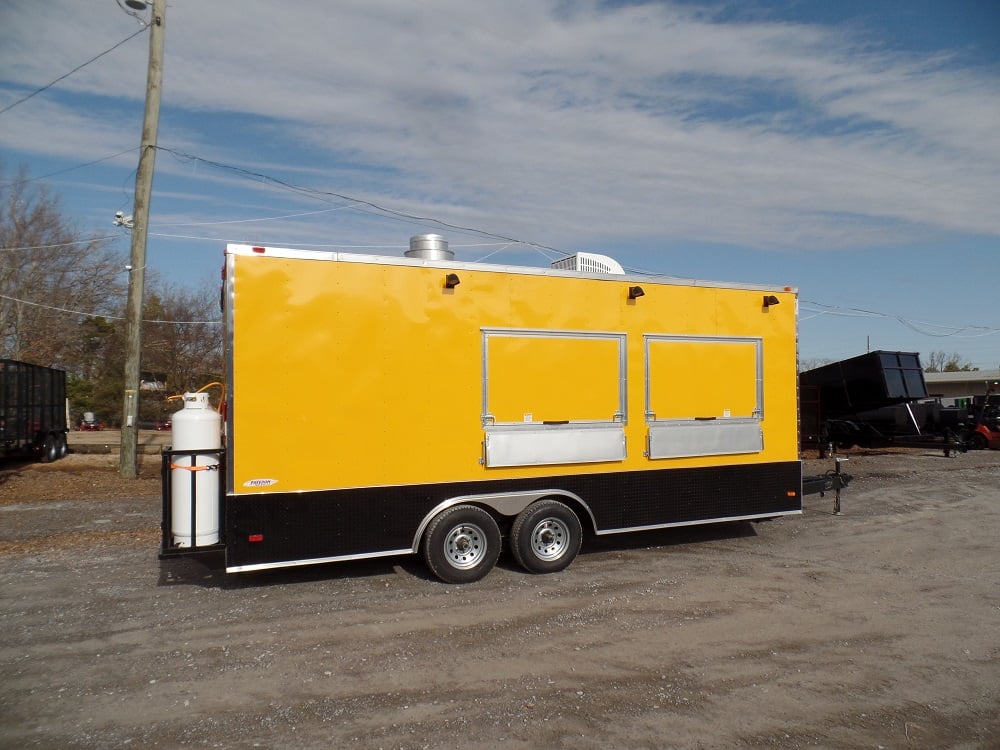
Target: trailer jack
x=832 y=481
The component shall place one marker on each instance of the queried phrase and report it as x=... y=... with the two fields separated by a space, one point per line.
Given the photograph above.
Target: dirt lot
x=876 y=628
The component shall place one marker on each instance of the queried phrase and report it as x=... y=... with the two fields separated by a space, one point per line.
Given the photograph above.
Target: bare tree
x=942 y=362
x=181 y=351
x=182 y=341
x=811 y=363
x=62 y=297
x=51 y=276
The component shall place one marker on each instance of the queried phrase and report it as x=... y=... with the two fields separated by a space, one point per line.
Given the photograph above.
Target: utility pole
x=128 y=459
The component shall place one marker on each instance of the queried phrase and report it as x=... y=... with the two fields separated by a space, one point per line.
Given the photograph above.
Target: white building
x=952 y=385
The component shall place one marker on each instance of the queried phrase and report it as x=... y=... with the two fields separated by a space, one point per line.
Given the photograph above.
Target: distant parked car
x=89 y=423
x=155 y=425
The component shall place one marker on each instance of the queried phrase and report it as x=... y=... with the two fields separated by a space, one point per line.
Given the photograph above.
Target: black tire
x=461 y=544
x=546 y=537
x=61 y=447
x=50 y=450
x=977 y=441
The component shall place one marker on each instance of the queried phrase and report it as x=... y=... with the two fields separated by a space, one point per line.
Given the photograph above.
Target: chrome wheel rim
x=465 y=546
x=549 y=539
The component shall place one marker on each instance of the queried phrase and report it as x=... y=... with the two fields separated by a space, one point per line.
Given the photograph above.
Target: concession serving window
x=704 y=395
x=553 y=396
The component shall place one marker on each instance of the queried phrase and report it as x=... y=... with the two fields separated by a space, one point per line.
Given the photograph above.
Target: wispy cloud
x=557 y=121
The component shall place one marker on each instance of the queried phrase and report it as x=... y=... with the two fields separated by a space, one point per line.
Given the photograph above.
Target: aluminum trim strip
x=315 y=561
x=728 y=519
x=389 y=260
x=229 y=290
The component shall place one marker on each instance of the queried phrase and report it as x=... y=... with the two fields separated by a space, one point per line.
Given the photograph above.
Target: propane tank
x=195 y=427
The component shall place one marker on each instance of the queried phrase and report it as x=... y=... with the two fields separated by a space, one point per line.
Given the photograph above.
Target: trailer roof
x=394 y=260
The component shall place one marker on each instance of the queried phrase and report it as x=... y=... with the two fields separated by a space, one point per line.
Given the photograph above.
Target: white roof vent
x=590 y=263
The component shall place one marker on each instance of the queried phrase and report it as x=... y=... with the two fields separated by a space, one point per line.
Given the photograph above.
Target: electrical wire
x=263 y=218
x=61 y=244
x=107 y=317
x=506 y=243
x=275 y=243
x=359 y=202
x=914 y=325
x=68 y=169
x=49 y=85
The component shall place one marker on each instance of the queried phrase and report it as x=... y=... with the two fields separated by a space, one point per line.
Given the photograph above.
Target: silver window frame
x=704 y=434
x=619 y=417
x=537 y=443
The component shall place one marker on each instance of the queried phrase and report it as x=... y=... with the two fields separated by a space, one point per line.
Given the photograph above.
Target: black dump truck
x=32 y=411
x=875 y=400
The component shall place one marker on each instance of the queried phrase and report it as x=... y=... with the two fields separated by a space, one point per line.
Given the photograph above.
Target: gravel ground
x=875 y=628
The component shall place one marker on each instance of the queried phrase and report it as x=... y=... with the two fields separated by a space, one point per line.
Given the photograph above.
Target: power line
x=918 y=326
x=67 y=75
x=107 y=317
x=955 y=330
x=358 y=201
x=68 y=169
x=60 y=244
x=262 y=218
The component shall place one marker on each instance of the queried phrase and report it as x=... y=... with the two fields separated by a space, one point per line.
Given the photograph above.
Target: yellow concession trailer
x=415 y=405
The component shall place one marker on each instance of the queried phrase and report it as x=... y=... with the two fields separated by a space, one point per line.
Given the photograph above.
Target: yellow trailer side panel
x=526 y=377
x=360 y=373
x=702 y=378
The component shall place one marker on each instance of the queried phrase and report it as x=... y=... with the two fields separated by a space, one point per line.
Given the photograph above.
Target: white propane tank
x=197 y=426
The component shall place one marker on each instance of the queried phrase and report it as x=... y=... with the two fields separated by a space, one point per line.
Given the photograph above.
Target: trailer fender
x=506 y=504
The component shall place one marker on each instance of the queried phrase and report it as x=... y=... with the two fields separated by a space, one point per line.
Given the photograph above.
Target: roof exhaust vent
x=590 y=263
x=429 y=247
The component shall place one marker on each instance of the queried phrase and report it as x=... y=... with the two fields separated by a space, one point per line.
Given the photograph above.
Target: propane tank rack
x=168 y=547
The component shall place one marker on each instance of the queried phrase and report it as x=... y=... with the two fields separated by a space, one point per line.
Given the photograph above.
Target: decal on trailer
x=260 y=482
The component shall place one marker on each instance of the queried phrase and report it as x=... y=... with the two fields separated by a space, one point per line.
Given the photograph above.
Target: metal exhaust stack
x=429 y=247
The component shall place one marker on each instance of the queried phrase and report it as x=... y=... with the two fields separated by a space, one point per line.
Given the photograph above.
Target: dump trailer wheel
x=50 y=449
x=462 y=544
x=61 y=447
x=546 y=537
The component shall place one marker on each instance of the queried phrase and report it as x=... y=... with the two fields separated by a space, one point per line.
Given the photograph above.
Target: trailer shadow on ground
x=11 y=466
x=208 y=571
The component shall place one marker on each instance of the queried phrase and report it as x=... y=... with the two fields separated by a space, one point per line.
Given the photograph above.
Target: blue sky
x=850 y=149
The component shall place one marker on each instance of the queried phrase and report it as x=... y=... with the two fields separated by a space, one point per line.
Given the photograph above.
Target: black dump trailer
x=32 y=410
x=871 y=401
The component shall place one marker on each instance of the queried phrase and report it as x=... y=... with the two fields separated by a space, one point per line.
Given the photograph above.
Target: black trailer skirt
x=278 y=529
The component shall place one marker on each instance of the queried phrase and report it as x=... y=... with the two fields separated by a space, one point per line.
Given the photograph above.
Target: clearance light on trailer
x=258 y=250
x=255 y=538
x=791 y=493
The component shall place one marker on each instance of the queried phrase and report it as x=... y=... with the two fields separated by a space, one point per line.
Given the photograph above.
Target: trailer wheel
x=546 y=537
x=462 y=544
x=61 y=447
x=50 y=449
